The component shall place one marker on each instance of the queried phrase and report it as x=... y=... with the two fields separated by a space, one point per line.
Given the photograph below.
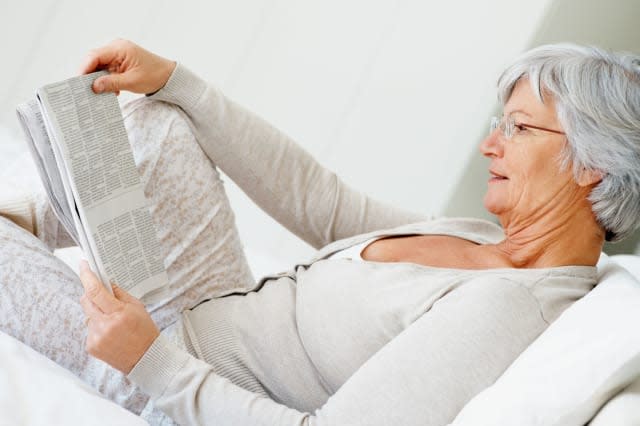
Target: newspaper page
x=94 y=155
x=41 y=150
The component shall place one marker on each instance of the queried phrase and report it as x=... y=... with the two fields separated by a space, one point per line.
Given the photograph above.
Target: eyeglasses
x=508 y=127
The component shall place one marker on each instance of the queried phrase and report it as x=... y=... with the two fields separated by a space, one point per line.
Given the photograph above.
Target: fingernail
x=83 y=265
x=98 y=86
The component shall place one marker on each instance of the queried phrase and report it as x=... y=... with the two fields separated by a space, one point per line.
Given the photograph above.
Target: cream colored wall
x=405 y=86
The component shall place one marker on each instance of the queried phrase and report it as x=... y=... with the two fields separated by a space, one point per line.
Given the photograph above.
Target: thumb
x=122 y=295
x=108 y=83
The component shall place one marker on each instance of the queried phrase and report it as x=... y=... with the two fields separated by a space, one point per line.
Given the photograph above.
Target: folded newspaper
x=82 y=152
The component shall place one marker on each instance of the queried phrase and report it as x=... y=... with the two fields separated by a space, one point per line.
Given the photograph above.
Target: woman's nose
x=492 y=146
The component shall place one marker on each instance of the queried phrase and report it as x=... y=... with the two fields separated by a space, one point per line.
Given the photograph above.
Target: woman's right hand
x=130 y=68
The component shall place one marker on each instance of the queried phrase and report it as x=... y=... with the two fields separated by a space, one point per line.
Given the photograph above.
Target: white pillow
x=622 y=410
x=36 y=391
x=585 y=357
x=630 y=262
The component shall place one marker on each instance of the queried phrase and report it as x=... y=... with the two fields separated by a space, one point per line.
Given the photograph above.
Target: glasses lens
x=495 y=122
x=508 y=128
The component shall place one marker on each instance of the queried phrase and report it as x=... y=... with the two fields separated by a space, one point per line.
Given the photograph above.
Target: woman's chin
x=492 y=206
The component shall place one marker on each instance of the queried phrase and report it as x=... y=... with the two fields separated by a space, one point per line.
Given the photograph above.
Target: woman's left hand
x=120 y=330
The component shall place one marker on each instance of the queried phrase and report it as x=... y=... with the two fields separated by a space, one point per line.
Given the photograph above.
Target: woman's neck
x=571 y=236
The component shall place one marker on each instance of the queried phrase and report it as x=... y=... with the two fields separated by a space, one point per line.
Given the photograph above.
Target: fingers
x=123 y=296
x=130 y=68
x=119 y=339
x=111 y=57
x=108 y=83
x=101 y=57
x=89 y=308
x=89 y=65
x=95 y=291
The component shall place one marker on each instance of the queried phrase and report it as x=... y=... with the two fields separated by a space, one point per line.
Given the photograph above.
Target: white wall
x=393 y=95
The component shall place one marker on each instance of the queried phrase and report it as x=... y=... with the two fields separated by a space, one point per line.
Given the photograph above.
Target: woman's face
x=526 y=180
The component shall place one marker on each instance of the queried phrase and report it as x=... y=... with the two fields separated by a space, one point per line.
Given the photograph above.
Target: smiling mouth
x=494 y=177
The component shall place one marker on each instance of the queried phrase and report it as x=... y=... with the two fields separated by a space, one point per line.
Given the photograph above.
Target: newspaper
x=82 y=152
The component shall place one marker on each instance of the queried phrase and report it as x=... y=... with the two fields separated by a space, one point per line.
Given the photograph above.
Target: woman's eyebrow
x=520 y=111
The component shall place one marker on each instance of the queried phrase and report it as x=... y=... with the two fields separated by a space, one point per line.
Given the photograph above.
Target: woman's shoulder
x=553 y=289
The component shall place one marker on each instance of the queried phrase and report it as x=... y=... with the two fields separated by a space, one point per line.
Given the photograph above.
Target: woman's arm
x=268 y=166
x=424 y=376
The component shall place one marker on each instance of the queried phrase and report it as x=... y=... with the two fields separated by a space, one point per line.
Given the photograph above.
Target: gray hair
x=597 y=99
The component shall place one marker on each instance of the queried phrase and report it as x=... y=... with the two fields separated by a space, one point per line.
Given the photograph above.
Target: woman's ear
x=589 y=177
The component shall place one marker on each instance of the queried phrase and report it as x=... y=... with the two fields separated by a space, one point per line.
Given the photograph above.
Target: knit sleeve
x=424 y=376
x=274 y=171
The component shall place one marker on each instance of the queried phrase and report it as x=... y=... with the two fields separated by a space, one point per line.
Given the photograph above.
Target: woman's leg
x=195 y=224
x=39 y=294
x=39 y=305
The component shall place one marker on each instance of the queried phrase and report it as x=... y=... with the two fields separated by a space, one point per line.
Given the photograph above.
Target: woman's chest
x=428 y=250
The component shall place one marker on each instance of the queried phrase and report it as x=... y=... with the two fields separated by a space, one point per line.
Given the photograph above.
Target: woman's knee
x=163 y=141
x=153 y=125
x=26 y=261
x=15 y=239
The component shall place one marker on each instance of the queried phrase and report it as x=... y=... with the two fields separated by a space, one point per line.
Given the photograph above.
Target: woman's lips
x=496 y=177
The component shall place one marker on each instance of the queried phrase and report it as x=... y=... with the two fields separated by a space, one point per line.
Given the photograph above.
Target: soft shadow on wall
x=612 y=25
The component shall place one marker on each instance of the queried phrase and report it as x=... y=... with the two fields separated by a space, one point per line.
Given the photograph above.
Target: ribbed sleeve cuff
x=184 y=88
x=158 y=366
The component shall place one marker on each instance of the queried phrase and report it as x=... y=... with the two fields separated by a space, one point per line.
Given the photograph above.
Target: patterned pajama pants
x=39 y=294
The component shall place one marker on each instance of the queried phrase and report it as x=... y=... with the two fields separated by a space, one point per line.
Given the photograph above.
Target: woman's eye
x=519 y=127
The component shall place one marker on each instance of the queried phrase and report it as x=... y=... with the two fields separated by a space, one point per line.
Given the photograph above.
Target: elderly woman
x=399 y=319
